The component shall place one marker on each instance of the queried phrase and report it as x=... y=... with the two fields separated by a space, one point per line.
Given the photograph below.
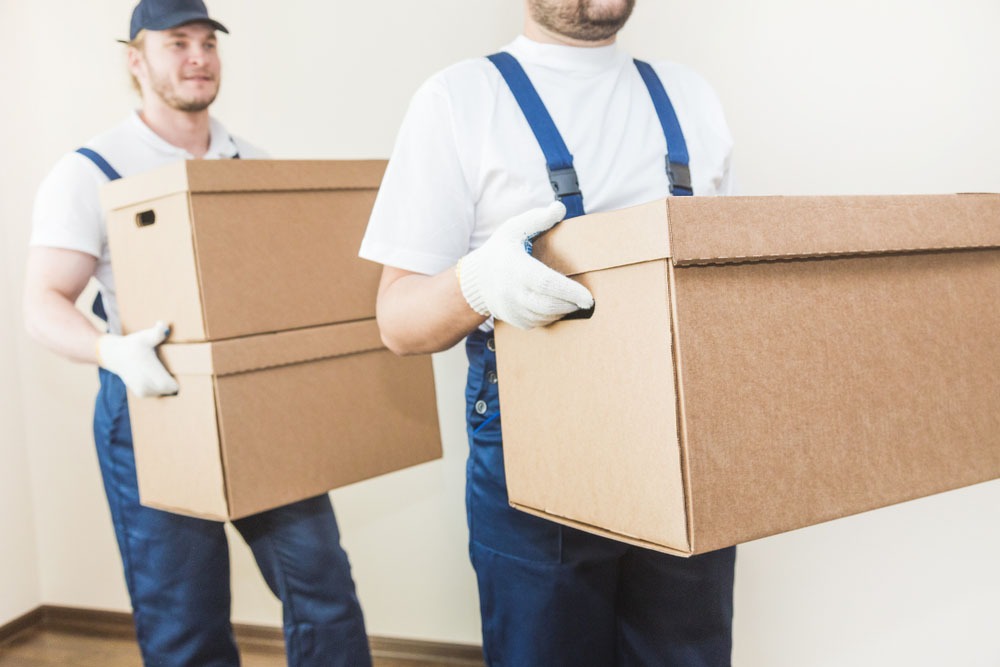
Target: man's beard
x=165 y=90
x=580 y=20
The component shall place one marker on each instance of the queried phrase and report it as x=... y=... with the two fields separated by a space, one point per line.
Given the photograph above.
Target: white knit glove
x=133 y=359
x=501 y=279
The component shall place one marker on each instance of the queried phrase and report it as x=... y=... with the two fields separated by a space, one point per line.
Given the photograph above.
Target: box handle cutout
x=582 y=314
x=145 y=218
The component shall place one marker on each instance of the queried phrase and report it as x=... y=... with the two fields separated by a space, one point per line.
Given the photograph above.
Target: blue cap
x=166 y=14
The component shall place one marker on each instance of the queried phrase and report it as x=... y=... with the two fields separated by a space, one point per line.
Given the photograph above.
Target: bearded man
x=486 y=147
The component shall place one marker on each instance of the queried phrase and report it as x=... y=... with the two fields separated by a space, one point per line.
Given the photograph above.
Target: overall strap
x=101 y=163
x=98 y=306
x=677 y=160
x=558 y=159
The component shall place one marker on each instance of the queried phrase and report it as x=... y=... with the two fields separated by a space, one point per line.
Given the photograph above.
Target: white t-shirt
x=466 y=160
x=68 y=210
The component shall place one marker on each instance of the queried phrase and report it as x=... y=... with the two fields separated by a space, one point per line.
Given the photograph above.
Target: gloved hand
x=501 y=279
x=133 y=359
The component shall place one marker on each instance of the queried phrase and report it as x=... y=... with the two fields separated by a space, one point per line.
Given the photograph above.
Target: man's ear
x=135 y=60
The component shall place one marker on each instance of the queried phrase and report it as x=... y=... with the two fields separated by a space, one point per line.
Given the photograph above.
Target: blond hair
x=138 y=43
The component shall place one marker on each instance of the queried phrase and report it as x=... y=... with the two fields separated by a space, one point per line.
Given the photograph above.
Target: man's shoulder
x=685 y=85
x=121 y=146
x=461 y=77
x=115 y=139
x=677 y=73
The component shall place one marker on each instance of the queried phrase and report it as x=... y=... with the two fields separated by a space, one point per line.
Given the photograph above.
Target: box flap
x=718 y=230
x=243 y=176
x=239 y=355
x=710 y=230
x=582 y=244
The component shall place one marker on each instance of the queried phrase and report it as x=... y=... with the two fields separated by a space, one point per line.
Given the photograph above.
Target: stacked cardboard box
x=286 y=390
x=758 y=364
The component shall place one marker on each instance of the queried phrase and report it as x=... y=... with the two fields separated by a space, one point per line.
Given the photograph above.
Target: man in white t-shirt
x=176 y=567
x=484 y=147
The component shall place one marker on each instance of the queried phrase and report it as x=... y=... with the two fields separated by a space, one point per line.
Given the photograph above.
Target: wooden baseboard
x=98 y=623
x=21 y=624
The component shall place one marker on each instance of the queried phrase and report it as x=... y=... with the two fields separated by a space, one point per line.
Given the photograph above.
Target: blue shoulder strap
x=558 y=159
x=98 y=306
x=677 y=160
x=101 y=163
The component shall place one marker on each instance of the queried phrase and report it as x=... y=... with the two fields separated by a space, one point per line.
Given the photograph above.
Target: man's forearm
x=419 y=314
x=54 y=321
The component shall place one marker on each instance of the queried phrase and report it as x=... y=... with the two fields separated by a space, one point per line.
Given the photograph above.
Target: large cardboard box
x=228 y=248
x=266 y=420
x=756 y=365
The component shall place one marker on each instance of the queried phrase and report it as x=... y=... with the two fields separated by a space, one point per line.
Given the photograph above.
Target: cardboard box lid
x=200 y=176
x=719 y=230
x=250 y=353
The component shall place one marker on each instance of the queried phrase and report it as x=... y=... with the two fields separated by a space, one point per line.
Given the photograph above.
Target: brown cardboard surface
x=239 y=355
x=241 y=247
x=710 y=401
x=267 y=420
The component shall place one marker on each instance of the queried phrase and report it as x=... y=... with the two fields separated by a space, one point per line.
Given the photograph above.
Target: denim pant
x=552 y=595
x=177 y=567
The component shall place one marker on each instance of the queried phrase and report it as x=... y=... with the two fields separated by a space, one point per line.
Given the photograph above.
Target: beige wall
x=846 y=97
x=19 y=574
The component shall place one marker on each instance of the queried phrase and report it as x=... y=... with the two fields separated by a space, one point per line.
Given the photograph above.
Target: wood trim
x=21 y=624
x=439 y=653
x=98 y=623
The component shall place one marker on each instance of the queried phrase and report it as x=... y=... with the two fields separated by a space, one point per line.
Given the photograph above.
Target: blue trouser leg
x=177 y=568
x=552 y=595
x=298 y=550
x=675 y=611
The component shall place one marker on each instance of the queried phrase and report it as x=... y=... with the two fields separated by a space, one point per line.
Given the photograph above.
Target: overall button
x=481 y=407
x=491 y=377
x=491 y=345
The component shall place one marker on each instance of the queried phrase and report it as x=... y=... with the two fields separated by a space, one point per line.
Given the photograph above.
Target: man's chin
x=194 y=102
x=192 y=105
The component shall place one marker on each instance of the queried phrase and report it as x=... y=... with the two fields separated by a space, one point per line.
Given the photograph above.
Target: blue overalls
x=177 y=567
x=552 y=595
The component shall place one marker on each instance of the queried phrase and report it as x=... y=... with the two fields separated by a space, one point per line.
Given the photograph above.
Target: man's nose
x=197 y=55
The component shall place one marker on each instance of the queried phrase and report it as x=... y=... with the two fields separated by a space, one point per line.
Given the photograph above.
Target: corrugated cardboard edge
x=723 y=230
x=200 y=176
x=679 y=411
x=743 y=230
x=601 y=531
x=187 y=511
x=283 y=348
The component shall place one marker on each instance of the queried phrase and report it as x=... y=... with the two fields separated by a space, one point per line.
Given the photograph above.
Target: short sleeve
x=67 y=212
x=424 y=213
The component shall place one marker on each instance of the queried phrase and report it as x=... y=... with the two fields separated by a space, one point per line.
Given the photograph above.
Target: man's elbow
x=393 y=344
x=394 y=341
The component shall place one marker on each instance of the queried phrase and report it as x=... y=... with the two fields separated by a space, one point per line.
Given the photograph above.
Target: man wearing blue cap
x=176 y=567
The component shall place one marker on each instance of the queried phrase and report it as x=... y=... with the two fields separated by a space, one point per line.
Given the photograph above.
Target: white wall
x=19 y=582
x=846 y=97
